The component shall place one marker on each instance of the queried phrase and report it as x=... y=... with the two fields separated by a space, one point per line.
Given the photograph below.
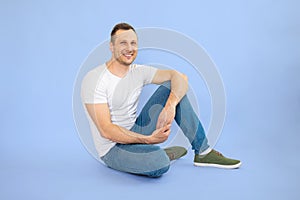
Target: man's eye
x=123 y=43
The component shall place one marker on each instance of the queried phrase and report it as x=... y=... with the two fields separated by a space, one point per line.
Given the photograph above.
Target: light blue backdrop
x=255 y=44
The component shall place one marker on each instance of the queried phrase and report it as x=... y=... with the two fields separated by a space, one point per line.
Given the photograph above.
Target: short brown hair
x=120 y=26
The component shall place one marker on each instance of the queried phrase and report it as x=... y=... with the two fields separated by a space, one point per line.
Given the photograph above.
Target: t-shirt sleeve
x=93 y=89
x=148 y=73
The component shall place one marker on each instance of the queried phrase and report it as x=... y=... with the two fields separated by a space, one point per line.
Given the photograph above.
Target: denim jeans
x=151 y=160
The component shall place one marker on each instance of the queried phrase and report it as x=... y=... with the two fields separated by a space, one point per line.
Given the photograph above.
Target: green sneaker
x=216 y=159
x=175 y=152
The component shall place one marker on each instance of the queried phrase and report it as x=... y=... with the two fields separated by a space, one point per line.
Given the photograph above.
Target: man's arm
x=179 y=87
x=100 y=114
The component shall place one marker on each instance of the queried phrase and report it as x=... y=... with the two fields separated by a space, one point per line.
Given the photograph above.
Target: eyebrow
x=126 y=40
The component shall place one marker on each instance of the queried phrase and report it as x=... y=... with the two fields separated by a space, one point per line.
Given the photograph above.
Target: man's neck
x=116 y=68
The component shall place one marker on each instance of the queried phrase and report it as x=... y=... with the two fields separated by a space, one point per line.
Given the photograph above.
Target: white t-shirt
x=121 y=94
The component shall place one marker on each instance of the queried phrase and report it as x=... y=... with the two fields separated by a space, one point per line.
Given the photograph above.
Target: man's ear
x=111 y=47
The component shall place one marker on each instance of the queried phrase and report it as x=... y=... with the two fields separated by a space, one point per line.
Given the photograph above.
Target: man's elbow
x=185 y=81
x=185 y=77
x=176 y=73
x=105 y=131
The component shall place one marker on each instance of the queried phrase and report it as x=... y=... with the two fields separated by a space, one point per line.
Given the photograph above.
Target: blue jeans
x=151 y=160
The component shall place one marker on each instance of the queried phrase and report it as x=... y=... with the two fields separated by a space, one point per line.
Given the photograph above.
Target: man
x=126 y=142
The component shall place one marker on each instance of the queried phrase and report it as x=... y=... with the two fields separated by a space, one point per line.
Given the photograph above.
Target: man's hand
x=159 y=135
x=166 y=116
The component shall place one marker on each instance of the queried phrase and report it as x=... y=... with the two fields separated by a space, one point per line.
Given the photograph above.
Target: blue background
x=255 y=44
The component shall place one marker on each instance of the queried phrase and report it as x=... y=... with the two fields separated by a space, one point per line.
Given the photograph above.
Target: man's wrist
x=146 y=139
x=172 y=100
x=170 y=106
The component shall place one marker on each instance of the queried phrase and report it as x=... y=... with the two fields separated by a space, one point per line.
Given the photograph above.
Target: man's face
x=124 y=46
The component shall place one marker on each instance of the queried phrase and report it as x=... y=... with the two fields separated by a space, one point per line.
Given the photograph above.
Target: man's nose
x=130 y=47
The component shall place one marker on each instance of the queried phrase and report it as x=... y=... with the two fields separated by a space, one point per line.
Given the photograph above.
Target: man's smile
x=128 y=55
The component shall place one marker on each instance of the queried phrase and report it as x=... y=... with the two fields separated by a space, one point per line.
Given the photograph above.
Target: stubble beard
x=122 y=62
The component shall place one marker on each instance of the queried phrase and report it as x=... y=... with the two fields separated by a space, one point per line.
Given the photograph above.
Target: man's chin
x=125 y=62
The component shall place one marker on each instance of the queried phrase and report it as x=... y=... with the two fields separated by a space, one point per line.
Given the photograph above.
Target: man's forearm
x=121 y=135
x=179 y=87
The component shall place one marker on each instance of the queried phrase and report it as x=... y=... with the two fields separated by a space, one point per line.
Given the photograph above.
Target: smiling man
x=125 y=141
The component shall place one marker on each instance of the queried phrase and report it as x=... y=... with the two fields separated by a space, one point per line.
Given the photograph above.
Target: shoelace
x=218 y=153
x=171 y=155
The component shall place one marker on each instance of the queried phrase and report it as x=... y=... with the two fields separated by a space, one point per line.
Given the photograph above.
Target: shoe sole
x=218 y=166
